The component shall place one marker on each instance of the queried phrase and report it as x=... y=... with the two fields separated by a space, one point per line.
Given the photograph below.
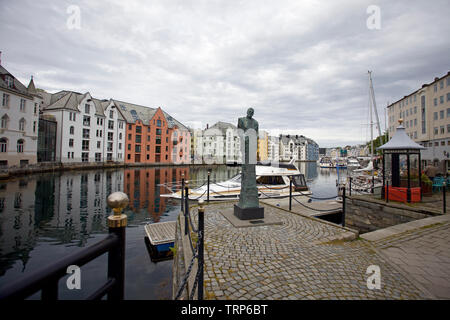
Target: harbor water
x=45 y=217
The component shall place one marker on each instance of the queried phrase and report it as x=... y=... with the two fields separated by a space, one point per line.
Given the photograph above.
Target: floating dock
x=161 y=234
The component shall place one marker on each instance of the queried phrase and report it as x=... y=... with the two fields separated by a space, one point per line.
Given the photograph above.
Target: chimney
x=207 y=126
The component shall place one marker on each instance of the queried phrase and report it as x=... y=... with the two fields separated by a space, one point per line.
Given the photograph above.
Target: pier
x=302 y=258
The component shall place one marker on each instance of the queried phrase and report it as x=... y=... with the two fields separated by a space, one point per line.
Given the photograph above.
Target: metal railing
x=197 y=250
x=47 y=278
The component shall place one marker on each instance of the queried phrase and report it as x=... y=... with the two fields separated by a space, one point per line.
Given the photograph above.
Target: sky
x=302 y=65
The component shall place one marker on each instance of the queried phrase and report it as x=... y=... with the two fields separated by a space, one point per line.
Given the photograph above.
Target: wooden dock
x=161 y=234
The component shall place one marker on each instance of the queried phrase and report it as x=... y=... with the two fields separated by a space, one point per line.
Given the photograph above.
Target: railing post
x=201 y=243
x=182 y=192
x=186 y=207
x=117 y=224
x=350 y=187
x=343 y=206
x=209 y=174
x=373 y=184
x=444 y=200
x=386 y=191
x=290 y=193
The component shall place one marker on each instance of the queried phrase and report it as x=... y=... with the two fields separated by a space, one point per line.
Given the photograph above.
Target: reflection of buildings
x=143 y=187
x=218 y=174
x=309 y=169
x=17 y=222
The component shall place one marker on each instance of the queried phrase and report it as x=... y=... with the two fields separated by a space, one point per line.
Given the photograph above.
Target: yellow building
x=263 y=142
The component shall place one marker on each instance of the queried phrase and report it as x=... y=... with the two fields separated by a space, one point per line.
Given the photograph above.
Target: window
x=158 y=149
x=158 y=131
x=158 y=140
x=415 y=110
x=34 y=126
x=111 y=114
x=148 y=147
x=415 y=122
x=138 y=138
x=85 y=145
x=129 y=146
x=87 y=108
x=4 y=123
x=138 y=129
x=110 y=136
x=22 y=105
x=435 y=87
x=436 y=131
x=448 y=127
x=110 y=146
x=5 y=100
x=20 y=146
x=3 y=145
x=129 y=136
x=448 y=111
x=120 y=146
x=109 y=157
x=71 y=130
x=424 y=128
x=120 y=124
x=138 y=148
x=98 y=157
x=22 y=124
x=86 y=133
x=441 y=114
x=110 y=124
x=9 y=81
x=442 y=130
x=72 y=116
x=85 y=156
x=120 y=135
x=99 y=144
x=129 y=127
x=441 y=84
x=435 y=115
x=71 y=143
x=435 y=101
x=86 y=121
x=158 y=123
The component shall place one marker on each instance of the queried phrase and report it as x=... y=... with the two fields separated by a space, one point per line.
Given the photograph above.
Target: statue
x=248 y=207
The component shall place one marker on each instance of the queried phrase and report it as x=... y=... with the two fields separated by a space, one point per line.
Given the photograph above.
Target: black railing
x=197 y=250
x=47 y=279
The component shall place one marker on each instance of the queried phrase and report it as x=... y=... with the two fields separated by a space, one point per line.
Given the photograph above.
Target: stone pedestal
x=248 y=213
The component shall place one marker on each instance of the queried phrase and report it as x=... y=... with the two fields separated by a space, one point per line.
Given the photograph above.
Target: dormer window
x=87 y=108
x=9 y=81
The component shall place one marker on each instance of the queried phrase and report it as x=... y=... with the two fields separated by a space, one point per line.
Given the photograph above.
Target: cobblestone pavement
x=285 y=262
x=424 y=255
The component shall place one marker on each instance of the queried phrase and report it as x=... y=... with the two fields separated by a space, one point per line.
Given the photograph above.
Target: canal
x=44 y=217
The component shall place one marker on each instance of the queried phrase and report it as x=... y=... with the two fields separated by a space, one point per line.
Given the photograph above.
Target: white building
x=89 y=130
x=273 y=149
x=19 y=114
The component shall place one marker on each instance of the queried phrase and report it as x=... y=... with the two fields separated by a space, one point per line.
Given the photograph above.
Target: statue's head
x=250 y=112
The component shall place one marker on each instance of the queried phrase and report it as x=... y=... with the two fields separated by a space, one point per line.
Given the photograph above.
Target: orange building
x=153 y=136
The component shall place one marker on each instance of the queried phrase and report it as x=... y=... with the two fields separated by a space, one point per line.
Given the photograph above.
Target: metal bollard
x=209 y=174
x=290 y=193
x=386 y=191
x=350 y=187
x=182 y=192
x=201 y=246
x=117 y=224
x=343 y=207
x=444 y=200
x=373 y=184
x=186 y=207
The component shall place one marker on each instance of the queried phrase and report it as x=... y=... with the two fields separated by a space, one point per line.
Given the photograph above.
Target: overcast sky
x=302 y=65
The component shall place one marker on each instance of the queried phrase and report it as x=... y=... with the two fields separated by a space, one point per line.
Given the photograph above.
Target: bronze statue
x=248 y=207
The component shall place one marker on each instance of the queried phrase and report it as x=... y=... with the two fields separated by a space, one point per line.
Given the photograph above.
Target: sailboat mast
x=371 y=122
x=372 y=93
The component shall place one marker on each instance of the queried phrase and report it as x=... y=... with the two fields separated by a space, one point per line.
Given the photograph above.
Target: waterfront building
x=262 y=149
x=273 y=148
x=426 y=118
x=298 y=147
x=19 y=114
x=219 y=144
x=312 y=150
x=153 y=136
x=89 y=130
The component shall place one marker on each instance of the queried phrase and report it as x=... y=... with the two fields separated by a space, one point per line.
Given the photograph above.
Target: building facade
x=426 y=118
x=19 y=115
x=263 y=144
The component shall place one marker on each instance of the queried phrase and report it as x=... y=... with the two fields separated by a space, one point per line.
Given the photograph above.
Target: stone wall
x=366 y=213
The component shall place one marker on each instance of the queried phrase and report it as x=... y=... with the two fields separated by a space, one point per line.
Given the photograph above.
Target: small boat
x=272 y=181
x=353 y=163
x=325 y=162
x=340 y=163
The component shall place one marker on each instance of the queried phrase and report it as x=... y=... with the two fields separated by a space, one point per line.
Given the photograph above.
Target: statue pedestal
x=248 y=213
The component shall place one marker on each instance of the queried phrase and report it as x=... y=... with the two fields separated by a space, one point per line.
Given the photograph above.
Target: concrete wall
x=366 y=214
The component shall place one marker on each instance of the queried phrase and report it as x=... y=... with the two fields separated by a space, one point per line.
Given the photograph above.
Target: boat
x=325 y=162
x=272 y=181
x=340 y=163
x=353 y=163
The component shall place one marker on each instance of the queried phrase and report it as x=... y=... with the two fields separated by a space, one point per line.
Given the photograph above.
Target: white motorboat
x=272 y=181
x=325 y=162
x=353 y=163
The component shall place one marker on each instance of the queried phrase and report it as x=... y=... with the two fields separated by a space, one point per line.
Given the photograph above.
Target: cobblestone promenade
x=292 y=261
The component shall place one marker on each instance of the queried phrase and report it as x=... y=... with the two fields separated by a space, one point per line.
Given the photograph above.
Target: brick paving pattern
x=286 y=262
